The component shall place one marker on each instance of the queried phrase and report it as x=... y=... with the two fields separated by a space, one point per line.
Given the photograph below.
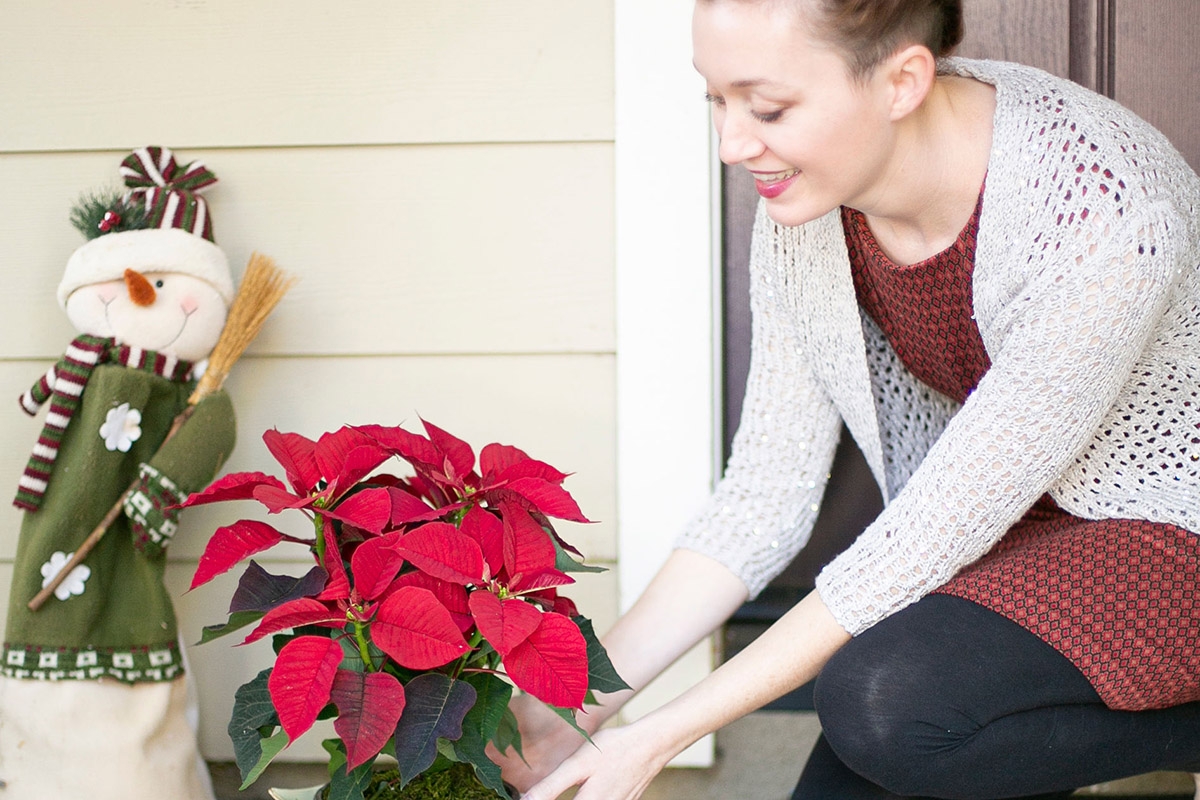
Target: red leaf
x=338 y=585
x=277 y=499
x=460 y=454
x=293 y=614
x=504 y=623
x=231 y=544
x=565 y=606
x=551 y=600
x=301 y=680
x=495 y=458
x=369 y=706
x=406 y=508
x=551 y=500
x=295 y=454
x=444 y=552
x=542 y=579
x=416 y=630
x=238 y=486
x=531 y=468
x=347 y=455
x=452 y=595
x=375 y=565
x=488 y=532
x=527 y=547
x=370 y=509
x=412 y=448
x=552 y=663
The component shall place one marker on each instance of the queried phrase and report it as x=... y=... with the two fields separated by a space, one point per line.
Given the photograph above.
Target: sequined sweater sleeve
x=764 y=508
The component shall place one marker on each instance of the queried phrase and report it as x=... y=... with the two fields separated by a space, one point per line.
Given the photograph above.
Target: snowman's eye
x=158 y=284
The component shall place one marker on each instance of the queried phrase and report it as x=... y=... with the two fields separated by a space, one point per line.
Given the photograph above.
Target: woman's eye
x=770 y=116
x=714 y=99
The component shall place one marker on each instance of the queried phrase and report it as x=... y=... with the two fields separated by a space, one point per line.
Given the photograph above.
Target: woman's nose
x=140 y=290
x=737 y=141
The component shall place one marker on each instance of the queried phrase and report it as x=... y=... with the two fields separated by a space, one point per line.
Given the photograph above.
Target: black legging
x=946 y=699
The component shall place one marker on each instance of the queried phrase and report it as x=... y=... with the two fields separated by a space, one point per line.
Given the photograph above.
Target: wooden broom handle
x=98 y=532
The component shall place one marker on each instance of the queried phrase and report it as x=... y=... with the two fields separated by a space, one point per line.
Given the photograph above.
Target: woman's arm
x=689 y=597
x=625 y=760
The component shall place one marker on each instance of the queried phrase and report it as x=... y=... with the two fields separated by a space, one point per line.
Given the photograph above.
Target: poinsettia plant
x=430 y=597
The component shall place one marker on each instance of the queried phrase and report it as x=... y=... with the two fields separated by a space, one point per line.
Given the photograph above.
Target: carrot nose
x=140 y=290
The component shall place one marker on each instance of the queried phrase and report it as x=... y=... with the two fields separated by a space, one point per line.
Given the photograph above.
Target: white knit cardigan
x=1087 y=296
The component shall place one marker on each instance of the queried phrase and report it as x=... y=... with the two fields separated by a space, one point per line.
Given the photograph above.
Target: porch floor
x=756 y=760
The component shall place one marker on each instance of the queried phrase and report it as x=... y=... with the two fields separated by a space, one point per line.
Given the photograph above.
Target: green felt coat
x=122 y=625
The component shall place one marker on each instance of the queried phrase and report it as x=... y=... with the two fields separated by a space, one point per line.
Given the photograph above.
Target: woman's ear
x=911 y=72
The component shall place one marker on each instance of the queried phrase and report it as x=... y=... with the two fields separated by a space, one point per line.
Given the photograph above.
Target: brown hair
x=868 y=31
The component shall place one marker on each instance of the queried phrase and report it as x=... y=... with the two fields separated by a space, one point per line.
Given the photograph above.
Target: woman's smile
x=772 y=184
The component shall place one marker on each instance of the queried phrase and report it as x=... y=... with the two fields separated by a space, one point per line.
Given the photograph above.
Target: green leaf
x=446 y=751
x=508 y=734
x=252 y=709
x=565 y=562
x=481 y=725
x=492 y=694
x=238 y=619
x=343 y=786
x=352 y=658
x=271 y=747
x=568 y=714
x=602 y=677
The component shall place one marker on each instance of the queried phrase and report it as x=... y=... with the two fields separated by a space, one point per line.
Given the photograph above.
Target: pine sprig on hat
x=108 y=212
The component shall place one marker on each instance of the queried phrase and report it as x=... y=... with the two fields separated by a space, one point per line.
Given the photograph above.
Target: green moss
x=456 y=783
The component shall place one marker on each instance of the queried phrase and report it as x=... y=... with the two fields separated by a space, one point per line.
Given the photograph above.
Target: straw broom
x=262 y=287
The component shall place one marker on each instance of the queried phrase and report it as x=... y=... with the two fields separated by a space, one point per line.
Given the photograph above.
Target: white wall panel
x=205 y=73
x=558 y=409
x=424 y=249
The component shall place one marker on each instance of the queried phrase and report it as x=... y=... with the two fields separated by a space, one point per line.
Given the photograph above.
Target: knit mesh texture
x=1087 y=299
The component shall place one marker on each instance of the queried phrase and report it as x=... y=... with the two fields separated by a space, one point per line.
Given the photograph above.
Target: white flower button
x=74 y=583
x=121 y=428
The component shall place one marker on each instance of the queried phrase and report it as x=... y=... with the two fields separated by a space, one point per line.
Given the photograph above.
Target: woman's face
x=786 y=108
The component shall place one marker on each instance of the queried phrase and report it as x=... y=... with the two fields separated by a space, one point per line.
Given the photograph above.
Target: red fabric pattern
x=1116 y=597
x=925 y=310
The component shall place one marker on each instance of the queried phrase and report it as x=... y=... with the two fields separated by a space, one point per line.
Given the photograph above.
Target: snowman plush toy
x=93 y=699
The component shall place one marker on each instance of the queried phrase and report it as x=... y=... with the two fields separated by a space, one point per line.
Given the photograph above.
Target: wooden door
x=1143 y=53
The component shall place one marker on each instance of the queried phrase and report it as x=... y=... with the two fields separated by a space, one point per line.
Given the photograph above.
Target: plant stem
x=476 y=638
x=360 y=636
x=319 y=544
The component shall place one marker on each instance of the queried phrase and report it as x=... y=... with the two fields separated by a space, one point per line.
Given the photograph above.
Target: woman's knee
x=868 y=706
x=885 y=713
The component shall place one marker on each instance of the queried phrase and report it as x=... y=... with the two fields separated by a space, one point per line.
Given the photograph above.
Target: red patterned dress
x=1117 y=597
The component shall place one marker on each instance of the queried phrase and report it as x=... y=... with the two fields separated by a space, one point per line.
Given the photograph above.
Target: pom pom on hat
x=177 y=234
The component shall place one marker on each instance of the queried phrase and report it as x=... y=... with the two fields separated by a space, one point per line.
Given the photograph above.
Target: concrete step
x=759 y=758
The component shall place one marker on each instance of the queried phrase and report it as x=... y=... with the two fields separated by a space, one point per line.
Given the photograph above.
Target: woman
x=991 y=276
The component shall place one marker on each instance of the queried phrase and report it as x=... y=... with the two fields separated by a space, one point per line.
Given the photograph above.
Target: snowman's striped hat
x=174 y=232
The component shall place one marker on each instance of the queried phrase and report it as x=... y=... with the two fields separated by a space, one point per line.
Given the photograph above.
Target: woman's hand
x=619 y=766
x=546 y=739
x=689 y=597
x=625 y=760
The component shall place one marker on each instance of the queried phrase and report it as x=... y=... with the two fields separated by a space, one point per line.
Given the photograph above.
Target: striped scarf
x=63 y=386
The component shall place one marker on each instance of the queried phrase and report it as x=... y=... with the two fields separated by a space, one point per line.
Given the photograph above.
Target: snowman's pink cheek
x=106 y=292
x=189 y=304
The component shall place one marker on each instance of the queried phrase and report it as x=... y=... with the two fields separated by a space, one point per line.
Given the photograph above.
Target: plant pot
x=456 y=783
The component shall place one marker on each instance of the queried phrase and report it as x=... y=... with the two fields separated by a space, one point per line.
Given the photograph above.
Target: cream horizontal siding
x=82 y=75
x=558 y=409
x=438 y=175
x=500 y=248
